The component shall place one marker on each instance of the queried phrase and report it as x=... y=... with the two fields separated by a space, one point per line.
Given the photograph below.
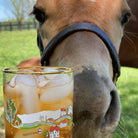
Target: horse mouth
x=112 y=116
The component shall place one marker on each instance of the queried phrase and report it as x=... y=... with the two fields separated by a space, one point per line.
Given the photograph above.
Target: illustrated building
x=50 y=120
x=63 y=124
x=70 y=110
x=63 y=112
x=54 y=132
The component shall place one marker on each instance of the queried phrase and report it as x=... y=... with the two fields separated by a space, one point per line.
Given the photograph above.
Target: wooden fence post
x=19 y=26
x=10 y=26
x=28 y=26
x=5 y=27
x=0 y=27
x=35 y=25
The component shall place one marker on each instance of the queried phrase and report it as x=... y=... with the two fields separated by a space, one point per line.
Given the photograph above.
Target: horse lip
x=110 y=119
x=104 y=121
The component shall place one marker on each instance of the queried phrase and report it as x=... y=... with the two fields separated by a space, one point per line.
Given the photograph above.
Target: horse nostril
x=85 y=115
x=112 y=115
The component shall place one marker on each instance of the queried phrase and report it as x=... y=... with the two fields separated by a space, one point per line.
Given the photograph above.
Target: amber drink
x=38 y=102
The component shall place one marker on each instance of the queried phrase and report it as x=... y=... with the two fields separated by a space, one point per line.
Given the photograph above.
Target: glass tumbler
x=38 y=102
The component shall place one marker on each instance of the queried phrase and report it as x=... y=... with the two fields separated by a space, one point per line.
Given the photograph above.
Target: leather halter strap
x=83 y=27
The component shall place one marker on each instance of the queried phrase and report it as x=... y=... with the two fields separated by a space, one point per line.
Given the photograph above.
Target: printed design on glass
x=56 y=120
x=10 y=111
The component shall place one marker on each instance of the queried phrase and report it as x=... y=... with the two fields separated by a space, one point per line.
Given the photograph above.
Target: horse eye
x=125 y=18
x=39 y=15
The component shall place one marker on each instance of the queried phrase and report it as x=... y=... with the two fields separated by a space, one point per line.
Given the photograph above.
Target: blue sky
x=5 y=9
x=4 y=12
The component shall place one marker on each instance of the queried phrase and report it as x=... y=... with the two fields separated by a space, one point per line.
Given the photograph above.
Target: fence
x=11 y=26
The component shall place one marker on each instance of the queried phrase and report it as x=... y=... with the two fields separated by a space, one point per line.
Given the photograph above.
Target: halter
x=47 y=52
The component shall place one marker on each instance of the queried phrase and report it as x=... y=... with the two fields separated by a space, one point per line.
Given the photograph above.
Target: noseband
x=47 y=52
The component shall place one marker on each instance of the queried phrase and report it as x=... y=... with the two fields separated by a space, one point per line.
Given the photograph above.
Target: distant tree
x=20 y=8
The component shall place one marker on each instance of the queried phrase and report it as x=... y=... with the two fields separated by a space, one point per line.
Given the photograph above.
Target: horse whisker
x=132 y=34
x=129 y=40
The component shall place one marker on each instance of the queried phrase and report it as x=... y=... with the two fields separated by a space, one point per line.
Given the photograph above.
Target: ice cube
x=50 y=76
x=50 y=80
x=24 y=88
x=30 y=99
x=16 y=83
x=42 y=81
x=50 y=70
x=26 y=80
x=59 y=79
x=54 y=94
x=12 y=83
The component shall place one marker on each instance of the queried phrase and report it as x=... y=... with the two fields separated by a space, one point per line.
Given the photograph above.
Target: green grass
x=19 y=45
x=15 y=47
x=128 y=90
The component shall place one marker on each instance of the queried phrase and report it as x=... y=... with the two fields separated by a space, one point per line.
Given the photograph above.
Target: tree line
x=20 y=9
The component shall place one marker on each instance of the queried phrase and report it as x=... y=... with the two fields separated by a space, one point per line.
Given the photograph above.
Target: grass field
x=128 y=90
x=19 y=45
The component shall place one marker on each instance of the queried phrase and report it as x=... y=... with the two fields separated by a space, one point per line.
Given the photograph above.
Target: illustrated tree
x=42 y=118
x=18 y=121
x=46 y=133
x=11 y=111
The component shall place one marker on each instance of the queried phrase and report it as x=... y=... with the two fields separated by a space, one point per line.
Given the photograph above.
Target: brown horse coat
x=129 y=46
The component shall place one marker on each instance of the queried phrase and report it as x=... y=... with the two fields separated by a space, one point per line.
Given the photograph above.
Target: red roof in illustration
x=50 y=119
x=63 y=109
x=57 y=128
x=64 y=121
x=54 y=128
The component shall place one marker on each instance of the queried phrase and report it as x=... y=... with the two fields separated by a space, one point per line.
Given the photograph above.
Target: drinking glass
x=38 y=102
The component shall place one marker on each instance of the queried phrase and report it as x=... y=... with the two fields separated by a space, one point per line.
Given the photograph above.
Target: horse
x=128 y=52
x=91 y=51
x=129 y=47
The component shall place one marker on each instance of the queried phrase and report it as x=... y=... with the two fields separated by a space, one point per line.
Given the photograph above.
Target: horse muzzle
x=96 y=105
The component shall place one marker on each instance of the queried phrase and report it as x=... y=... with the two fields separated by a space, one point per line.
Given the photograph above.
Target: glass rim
x=15 y=70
